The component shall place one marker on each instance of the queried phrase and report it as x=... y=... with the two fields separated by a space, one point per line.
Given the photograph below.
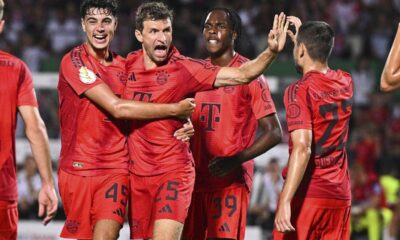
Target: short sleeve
x=261 y=100
x=298 y=107
x=26 y=92
x=202 y=73
x=78 y=72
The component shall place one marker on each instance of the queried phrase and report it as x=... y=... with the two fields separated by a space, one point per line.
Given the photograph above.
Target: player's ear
x=302 y=50
x=83 y=24
x=234 y=36
x=116 y=23
x=1 y=25
x=139 y=36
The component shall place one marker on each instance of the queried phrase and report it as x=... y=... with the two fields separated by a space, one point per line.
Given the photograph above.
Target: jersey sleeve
x=203 y=73
x=26 y=92
x=261 y=100
x=78 y=72
x=298 y=107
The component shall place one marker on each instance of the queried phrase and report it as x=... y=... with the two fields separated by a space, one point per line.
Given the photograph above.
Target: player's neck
x=102 y=55
x=222 y=59
x=316 y=66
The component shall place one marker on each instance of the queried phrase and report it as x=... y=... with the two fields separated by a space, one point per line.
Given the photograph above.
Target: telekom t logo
x=142 y=96
x=210 y=113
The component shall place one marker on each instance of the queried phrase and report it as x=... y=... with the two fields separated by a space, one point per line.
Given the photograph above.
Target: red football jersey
x=92 y=142
x=16 y=89
x=152 y=147
x=225 y=121
x=322 y=103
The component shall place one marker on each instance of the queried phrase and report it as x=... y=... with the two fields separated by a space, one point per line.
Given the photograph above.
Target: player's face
x=100 y=27
x=156 y=39
x=217 y=33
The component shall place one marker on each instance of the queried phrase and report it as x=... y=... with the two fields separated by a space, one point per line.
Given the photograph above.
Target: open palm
x=277 y=35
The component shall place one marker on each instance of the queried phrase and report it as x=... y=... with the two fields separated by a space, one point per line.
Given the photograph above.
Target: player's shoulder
x=75 y=57
x=240 y=59
x=11 y=61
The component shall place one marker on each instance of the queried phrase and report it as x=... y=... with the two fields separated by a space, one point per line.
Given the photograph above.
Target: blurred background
x=42 y=31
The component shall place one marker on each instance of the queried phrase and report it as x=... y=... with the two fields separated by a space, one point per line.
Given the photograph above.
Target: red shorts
x=165 y=196
x=219 y=214
x=89 y=199
x=318 y=218
x=8 y=220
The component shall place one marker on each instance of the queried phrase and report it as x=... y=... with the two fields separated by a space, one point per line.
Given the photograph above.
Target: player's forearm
x=37 y=136
x=125 y=109
x=390 y=78
x=271 y=135
x=247 y=72
x=297 y=166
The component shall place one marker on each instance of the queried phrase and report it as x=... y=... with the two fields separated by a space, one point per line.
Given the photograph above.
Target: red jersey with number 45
x=152 y=147
x=92 y=142
x=322 y=103
x=225 y=121
x=16 y=89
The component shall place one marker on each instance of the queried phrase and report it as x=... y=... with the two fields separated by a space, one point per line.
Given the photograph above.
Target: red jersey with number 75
x=152 y=147
x=92 y=142
x=322 y=103
x=16 y=89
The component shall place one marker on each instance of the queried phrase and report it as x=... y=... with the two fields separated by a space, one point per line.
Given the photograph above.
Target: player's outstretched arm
x=298 y=161
x=36 y=133
x=390 y=78
x=103 y=96
x=252 y=69
x=271 y=135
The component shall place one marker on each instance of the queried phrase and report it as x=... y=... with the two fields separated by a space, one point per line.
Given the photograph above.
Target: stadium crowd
x=41 y=32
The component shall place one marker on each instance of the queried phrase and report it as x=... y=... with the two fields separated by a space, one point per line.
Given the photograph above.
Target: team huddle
x=169 y=141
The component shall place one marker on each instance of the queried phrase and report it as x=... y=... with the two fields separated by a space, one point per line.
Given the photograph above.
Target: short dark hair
x=235 y=23
x=318 y=38
x=110 y=5
x=152 y=11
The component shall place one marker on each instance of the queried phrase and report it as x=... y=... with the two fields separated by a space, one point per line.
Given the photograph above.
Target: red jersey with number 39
x=225 y=121
x=92 y=142
x=152 y=147
x=16 y=89
x=322 y=103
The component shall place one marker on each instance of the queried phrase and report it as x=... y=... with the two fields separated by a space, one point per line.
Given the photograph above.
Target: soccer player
x=315 y=200
x=162 y=174
x=223 y=147
x=390 y=78
x=17 y=95
x=93 y=169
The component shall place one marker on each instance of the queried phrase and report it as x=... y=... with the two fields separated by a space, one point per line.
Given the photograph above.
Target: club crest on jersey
x=293 y=110
x=86 y=76
x=162 y=77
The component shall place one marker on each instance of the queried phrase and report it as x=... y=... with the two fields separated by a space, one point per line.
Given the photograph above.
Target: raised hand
x=297 y=23
x=277 y=35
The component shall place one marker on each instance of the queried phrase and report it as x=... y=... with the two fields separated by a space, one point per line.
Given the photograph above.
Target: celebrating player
x=162 y=172
x=225 y=121
x=315 y=200
x=93 y=170
x=17 y=94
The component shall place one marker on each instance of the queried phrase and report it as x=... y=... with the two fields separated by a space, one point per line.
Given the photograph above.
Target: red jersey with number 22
x=322 y=103
x=92 y=142
x=225 y=121
x=152 y=147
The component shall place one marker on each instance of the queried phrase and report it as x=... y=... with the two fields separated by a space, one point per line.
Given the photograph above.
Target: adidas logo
x=224 y=228
x=166 y=208
x=119 y=212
